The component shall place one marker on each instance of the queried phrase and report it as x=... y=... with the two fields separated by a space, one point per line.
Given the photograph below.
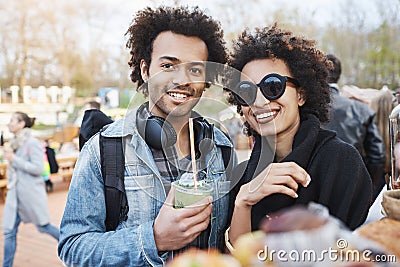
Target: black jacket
x=51 y=157
x=354 y=123
x=339 y=178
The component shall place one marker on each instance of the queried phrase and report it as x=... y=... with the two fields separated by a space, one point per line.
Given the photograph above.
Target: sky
x=322 y=11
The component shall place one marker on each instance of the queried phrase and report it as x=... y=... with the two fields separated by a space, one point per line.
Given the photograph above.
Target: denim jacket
x=84 y=240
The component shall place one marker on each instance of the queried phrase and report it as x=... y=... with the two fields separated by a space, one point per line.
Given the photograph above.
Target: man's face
x=176 y=74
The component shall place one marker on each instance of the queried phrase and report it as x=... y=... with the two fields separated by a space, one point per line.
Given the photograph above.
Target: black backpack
x=51 y=157
x=112 y=161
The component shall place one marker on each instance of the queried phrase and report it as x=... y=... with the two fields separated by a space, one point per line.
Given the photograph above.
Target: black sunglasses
x=272 y=87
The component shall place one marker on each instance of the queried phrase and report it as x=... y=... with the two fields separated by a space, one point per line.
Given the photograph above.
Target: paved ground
x=35 y=249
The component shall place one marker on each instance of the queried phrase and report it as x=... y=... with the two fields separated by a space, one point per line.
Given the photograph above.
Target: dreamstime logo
x=342 y=253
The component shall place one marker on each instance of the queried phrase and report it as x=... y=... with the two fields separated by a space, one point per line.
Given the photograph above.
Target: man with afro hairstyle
x=170 y=49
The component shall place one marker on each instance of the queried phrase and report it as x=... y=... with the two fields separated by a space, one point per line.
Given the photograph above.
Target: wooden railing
x=66 y=167
x=3 y=181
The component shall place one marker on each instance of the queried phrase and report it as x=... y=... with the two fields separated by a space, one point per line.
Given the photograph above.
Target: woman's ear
x=301 y=97
x=144 y=70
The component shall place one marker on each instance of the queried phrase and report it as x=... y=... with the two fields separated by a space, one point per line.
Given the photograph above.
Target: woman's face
x=15 y=125
x=278 y=117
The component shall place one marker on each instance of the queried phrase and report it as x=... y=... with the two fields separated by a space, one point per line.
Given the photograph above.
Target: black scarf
x=306 y=141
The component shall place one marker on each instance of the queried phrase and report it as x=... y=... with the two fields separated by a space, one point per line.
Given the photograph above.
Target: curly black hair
x=149 y=23
x=306 y=63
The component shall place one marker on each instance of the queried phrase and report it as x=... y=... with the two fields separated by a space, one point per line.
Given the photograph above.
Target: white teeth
x=177 y=95
x=265 y=115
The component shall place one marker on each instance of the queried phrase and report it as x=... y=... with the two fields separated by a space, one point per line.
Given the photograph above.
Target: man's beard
x=177 y=111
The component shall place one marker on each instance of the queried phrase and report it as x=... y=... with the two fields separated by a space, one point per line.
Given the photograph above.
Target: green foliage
x=125 y=97
x=42 y=126
x=83 y=84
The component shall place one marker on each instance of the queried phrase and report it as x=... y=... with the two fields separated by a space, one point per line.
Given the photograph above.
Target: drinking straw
x=192 y=152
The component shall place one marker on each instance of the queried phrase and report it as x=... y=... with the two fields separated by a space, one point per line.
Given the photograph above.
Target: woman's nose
x=260 y=99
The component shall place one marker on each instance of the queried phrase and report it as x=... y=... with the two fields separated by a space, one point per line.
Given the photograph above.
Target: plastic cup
x=186 y=194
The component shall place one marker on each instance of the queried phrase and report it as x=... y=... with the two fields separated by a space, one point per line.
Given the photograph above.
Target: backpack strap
x=113 y=172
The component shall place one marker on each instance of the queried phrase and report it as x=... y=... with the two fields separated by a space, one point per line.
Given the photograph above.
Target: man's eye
x=167 y=66
x=196 y=71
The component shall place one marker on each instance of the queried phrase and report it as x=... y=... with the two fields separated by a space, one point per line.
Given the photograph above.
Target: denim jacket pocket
x=140 y=191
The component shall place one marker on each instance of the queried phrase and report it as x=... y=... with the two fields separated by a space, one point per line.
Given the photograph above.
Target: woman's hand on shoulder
x=281 y=178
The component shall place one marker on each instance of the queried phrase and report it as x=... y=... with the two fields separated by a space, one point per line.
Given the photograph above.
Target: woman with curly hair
x=283 y=94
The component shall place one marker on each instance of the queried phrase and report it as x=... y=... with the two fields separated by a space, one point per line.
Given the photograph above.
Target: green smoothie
x=186 y=194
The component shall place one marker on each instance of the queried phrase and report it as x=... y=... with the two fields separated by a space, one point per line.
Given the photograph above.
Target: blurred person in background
x=50 y=165
x=91 y=105
x=353 y=122
x=26 y=199
x=383 y=105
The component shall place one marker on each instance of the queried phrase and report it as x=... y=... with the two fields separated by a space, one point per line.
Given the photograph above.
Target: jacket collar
x=304 y=141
